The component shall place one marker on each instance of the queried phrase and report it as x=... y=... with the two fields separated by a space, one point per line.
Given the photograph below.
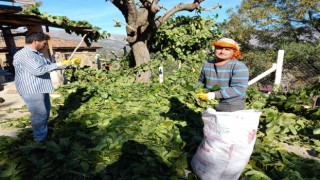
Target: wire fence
x=295 y=75
x=298 y=75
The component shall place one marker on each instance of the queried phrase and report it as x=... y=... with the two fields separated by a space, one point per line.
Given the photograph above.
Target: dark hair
x=36 y=36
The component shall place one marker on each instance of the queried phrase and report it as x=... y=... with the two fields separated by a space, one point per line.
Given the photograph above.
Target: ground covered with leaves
x=106 y=126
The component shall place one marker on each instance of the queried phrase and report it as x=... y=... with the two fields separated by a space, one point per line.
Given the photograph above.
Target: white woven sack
x=227 y=145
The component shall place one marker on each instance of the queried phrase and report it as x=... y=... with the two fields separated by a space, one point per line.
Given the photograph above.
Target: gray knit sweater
x=232 y=78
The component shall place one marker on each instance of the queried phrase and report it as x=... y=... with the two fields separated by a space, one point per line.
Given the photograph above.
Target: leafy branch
x=78 y=27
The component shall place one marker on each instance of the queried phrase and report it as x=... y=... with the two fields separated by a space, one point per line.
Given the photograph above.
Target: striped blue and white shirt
x=32 y=72
x=232 y=78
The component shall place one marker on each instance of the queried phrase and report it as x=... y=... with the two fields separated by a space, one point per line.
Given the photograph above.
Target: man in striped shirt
x=33 y=82
x=229 y=73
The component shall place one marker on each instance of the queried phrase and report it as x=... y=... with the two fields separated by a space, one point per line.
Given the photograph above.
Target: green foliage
x=32 y=9
x=70 y=26
x=105 y=125
x=301 y=61
x=258 y=61
x=285 y=113
x=277 y=163
x=187 y=39
x=283 y=119
x=257 y=26
x=266 y=21
x=15 y=123
x=301 y=53
x=108 y=126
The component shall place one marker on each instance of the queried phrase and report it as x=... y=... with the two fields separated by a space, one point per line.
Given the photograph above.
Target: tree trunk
x=141 y=23
x=141 y=55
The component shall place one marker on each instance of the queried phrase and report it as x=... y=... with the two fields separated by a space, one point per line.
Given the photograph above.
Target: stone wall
x=3 y=60
x=87 y=59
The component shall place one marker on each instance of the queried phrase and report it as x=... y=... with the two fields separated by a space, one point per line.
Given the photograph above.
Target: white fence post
x=275 y=67
x=161 y=74
x=97 y=58
x=264 y=74
x=277 y=80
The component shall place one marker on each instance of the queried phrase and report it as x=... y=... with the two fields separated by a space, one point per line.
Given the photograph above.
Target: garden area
x=106 y=124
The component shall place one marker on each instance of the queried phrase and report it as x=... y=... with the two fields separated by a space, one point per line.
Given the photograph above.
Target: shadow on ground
x=192 y=133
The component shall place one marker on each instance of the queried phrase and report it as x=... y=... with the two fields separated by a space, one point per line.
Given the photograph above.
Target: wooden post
x=50 y=50
x=125 y=50
x=11 y=47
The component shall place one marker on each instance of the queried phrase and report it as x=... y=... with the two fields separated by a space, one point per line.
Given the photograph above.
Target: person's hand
x=206 y=96
x=75 y=61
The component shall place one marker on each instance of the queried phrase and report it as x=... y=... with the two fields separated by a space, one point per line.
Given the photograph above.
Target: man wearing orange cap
x=229 y=73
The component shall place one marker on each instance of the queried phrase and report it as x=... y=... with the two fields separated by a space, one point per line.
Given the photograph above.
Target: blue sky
x=100 y=13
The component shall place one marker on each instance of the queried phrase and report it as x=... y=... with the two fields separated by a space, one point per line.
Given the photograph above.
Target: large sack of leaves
x=228 y=142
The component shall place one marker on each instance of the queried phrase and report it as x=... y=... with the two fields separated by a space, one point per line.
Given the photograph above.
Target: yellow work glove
x=203 y=96
x=75 y=61
x=64 y=62
x=206 y=96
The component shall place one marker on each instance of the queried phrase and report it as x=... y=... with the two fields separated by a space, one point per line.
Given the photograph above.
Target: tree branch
x=151 y=5
x=115 y=20
x=213 y=8
x=181 y=7
x=132 y=16
x=120 y=5
x=129 y=12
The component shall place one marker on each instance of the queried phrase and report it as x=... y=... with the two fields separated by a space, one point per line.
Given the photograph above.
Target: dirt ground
x=13 y=107
x=301 y=151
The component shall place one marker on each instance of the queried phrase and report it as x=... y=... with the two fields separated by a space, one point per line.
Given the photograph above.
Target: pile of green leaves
x=284 y=119
x=105 y=125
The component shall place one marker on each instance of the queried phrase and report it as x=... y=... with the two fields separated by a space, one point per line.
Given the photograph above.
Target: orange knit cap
x=228 y=43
